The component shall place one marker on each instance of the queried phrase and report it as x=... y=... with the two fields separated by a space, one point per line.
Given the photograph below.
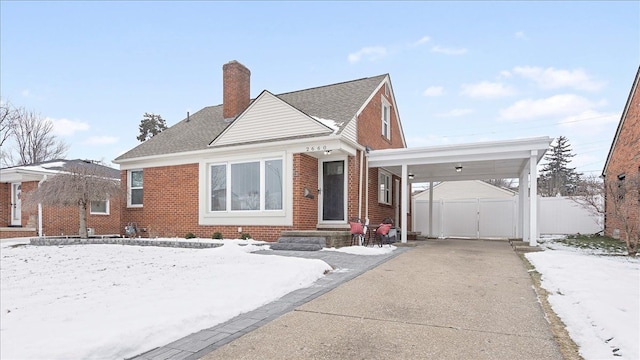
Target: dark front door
x=333 y=191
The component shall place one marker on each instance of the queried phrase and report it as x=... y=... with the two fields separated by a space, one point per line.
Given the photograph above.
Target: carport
x=473 y=161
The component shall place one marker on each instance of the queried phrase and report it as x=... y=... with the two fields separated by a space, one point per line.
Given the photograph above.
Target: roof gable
x=336 y=102
x=274 y=118
x=465 y=189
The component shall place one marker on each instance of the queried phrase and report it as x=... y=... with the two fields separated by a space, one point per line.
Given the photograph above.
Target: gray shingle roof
x=339 y=102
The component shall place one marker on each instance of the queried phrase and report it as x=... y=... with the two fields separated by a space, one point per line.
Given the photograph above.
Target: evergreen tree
x=556 y=177
x=150 y=125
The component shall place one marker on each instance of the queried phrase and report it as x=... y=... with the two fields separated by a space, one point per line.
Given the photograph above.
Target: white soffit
x=479 y=161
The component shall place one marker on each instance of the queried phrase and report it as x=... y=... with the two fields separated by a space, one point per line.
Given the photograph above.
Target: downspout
x=366 y=192
x=360 y=185
x=40 y=209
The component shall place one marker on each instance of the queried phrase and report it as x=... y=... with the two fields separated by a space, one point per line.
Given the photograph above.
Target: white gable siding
x=270 y=118
x=350 y=131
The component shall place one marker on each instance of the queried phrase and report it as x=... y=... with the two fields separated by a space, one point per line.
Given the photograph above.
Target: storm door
x=16 y=204
x=333 y=203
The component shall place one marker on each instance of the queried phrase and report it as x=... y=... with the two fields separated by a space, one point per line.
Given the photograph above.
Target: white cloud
x=422 y=41
x=101 y=140
x=448 y=51
x=558 y=106
x=551 y=78
x=504 y=74
x=455 y=113
x=25 y=93
x=486 y=89
x=370 y=53
x=66 y=127
x=520 y=35
x=434 y=91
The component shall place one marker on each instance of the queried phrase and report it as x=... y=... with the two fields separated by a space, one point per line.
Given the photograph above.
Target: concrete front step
x=296 y=246
x=303 y=243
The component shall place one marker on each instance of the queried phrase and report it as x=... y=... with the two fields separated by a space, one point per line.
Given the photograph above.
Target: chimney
x=236 y=95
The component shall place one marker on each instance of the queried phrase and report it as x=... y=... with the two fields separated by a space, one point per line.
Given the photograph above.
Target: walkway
x=444 y=299
x=346 y=266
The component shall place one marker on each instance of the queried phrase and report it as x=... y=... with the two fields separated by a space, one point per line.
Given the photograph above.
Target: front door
x=16 y=204
x=333 y=191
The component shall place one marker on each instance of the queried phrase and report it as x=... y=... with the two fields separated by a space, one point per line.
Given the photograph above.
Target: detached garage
x=468 y=209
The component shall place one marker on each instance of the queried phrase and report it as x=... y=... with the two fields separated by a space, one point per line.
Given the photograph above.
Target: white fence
x=498 y=218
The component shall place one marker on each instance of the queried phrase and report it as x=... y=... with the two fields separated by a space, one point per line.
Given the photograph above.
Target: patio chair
x=386 y=233
x=358 y=231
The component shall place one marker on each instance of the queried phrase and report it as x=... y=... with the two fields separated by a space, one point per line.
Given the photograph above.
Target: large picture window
x=135 y=188
x=246 y=186
x=384 y=185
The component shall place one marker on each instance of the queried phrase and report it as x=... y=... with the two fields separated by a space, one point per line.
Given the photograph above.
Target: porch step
x=309 y=243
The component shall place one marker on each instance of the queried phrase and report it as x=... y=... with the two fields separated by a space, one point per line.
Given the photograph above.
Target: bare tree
x=623 y=207
x=8 y=118
x=589 y=194
x=34 y=140
x=78 y=185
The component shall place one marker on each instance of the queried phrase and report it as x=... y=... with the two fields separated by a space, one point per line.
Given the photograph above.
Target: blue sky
x=461 y=71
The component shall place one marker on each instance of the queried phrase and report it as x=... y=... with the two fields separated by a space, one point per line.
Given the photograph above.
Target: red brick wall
x=5 y=204
x=625 y=159
x=370 y=134
x=170 y=206
x=305 y=175
x=58 y=220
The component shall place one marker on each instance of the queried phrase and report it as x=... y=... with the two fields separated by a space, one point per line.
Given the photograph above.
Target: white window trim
x=385 y=105
x=388 y=189
x=108 y=206
x=263 y=204
x=129 y=188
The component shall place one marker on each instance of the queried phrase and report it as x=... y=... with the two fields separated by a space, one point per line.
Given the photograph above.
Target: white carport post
x=533 y=198
x=430 y=209
x=404 y=208
x=523 y=193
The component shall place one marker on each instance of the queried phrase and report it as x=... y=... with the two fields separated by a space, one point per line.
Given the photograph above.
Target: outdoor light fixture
x=410 y=176
x=458 y=168
x=327 y=152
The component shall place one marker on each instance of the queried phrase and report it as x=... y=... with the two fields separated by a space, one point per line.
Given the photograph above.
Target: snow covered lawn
x=596 y=296
x=114 y=301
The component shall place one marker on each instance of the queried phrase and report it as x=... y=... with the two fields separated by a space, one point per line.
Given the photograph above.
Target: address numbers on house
x=317 y=148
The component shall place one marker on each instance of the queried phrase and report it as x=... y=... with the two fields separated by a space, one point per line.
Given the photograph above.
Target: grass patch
x=595 y=242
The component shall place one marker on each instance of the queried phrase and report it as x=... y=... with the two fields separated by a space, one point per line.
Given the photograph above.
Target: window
x=386 y=89
x=135 y=188
x=99 y=207
x=218 y=187
x=255 y=185
x=384 y=185
x=386 y=119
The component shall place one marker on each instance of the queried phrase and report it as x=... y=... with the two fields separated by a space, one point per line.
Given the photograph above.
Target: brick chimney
x=235 y=81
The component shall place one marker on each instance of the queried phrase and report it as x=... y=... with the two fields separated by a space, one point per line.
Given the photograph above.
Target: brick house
x=17 y=220
x=623 y=163
x=291 y=161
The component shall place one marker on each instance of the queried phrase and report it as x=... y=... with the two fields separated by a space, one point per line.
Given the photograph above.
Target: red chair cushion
x=383 y=229
x=356 y=228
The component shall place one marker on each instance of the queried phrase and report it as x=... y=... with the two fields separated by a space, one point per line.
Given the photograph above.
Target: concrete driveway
x=443 y=299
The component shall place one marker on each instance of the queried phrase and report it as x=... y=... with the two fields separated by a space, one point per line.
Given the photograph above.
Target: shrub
x=216 y=235
x=189 y=235
x=245 y=236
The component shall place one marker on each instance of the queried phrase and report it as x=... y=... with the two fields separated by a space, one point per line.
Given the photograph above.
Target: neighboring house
x=466 y=189
x=17 y=220
x=292 y=161
x=623 y=162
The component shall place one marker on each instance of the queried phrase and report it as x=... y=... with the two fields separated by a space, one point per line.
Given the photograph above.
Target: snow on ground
x=364 y=250
x=114 y=301
x=596 y=296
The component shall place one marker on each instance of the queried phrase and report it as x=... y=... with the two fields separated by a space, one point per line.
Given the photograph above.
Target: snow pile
x=597 y=297
x=332 y=124
x=111 y=301
x=363 y=250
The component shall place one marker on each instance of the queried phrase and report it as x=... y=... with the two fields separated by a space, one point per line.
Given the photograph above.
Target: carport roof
x=479 y=161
